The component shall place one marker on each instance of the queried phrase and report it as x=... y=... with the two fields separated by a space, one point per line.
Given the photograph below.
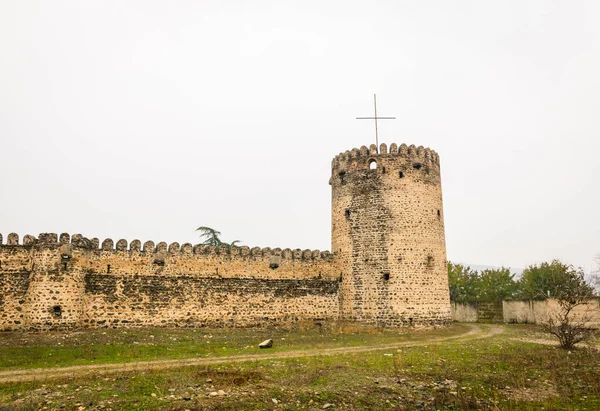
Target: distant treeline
x=537 y=282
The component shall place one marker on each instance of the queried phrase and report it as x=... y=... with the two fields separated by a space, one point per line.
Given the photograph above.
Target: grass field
x=54 y=349
x=468 y=370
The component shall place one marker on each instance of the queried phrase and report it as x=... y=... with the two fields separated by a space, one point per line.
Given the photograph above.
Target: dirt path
x=475 y=332
x=544 y=341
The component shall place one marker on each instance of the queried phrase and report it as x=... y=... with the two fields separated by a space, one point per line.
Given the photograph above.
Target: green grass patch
x=60 y=349
x=492 y=373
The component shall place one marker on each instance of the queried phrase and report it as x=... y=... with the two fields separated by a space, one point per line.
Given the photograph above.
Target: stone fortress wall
x=71 y=282
x=388 y=266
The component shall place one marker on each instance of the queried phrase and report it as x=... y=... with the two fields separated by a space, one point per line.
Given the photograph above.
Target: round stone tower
x=388 y=236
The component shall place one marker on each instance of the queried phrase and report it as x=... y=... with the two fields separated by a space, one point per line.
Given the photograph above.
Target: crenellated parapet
x=364 y=155
x=69 y=281
x=122 y=246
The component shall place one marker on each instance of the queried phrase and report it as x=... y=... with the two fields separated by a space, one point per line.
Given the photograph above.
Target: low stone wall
x=520 y=311
x=537 y=312
x=477 y=311
x=464 y=312
x=490 y=312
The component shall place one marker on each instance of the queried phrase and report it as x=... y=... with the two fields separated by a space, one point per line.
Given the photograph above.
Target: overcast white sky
x=146 y=119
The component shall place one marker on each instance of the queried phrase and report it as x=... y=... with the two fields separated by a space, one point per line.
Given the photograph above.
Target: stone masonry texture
x=387 y=266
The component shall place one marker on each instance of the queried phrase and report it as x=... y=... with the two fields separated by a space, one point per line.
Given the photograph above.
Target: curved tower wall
x=388 y=236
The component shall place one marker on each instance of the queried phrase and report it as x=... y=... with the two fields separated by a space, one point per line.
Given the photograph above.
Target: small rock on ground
x=266 y=344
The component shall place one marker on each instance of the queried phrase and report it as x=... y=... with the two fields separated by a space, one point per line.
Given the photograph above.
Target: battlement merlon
x=421 y=154
x=67 y=243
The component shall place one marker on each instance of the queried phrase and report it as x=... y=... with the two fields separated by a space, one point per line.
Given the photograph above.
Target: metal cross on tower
x=376 y=118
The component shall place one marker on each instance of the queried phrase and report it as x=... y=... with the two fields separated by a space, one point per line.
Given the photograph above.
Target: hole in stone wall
x=372 y=164
x=382 y=170
x=57 y=311
x=65 y=265
x=273 y=266
x=439 y=214
x=342 y=174
x=386 y=276
x=417 y=166
x=429 y=261
x=401 y=174
x=347 y=213
x=108 y=269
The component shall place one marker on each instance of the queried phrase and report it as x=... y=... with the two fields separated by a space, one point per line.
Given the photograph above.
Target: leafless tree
x=571 y=290
x=595 y=277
